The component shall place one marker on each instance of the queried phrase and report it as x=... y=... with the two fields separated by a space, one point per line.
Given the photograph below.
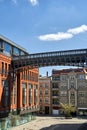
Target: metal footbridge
x=76 y=57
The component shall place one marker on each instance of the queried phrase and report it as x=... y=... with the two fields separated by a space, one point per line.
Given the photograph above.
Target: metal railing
x=69 y=58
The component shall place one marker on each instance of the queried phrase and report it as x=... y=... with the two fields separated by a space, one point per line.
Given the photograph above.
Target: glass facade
x=7 y=48
x=16 y=51
x=1 y=46
x=11 y=49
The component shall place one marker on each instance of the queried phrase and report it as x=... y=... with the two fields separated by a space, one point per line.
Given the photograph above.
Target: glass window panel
x=7 y=48
x=16 y=51
x=1 y=44
x=5 y=83
x=22 y=53
x=82 y=76
x=24 y=85
x=30 y=86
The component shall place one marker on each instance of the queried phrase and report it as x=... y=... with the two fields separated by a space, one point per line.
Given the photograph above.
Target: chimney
x=47 y=73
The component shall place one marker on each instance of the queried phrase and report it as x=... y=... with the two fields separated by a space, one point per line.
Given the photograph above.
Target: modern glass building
x=10 y=48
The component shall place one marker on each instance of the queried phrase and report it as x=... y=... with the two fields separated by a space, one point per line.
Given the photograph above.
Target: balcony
x=55 y=104
x=55 y=87
x=55 y=95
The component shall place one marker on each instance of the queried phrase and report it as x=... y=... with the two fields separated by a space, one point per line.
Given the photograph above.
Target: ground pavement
x=54 y=123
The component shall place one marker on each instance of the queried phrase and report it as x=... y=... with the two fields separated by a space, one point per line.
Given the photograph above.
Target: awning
x=80 y=108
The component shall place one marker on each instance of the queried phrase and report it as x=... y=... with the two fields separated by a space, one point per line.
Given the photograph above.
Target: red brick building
x=19 y=90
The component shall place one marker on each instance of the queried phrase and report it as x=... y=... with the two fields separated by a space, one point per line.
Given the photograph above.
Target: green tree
x=68 y=109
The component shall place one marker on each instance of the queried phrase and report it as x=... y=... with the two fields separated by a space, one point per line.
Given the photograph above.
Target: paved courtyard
x=54 y=123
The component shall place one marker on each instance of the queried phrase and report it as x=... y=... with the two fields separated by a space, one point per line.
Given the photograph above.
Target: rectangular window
x=30 y=93
x=72 y=95
x=82 y=94
x=64 y=77
x=3 y=70
x=56 y=77
x=30 y=96
x=55 y=93
x=23 y=96
x=16 y=51
x=46 y=92
x=72 y=85
x=5 y=83
x=82 y=101
x=30 y=86
x=35 y=86
x=40 y=100
x=82 y=76
x=63 y=93
x=41 y=85
x=14 y=100
x=40 y=92
x=24 y=85
x=1 y=44
x=55 y=101
x=55 y=85
x=40 y=108
x=5 y=92
x=15 y=94
x=6 y=68
x=35 y=95
x=46 y=85
x=46 y=100
x=7 y=48
x=22 y=53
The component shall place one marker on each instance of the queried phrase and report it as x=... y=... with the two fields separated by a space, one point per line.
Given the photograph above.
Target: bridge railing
x=52 y=54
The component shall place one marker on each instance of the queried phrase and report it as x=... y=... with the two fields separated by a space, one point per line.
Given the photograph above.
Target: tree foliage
x=68 y=109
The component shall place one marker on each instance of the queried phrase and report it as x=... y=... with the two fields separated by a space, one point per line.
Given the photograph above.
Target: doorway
x=46 y=110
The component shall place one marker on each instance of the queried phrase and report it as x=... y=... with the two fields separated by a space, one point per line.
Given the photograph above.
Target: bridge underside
x=59 y=58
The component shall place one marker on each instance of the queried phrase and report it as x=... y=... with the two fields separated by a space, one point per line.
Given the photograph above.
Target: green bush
x=14 y=120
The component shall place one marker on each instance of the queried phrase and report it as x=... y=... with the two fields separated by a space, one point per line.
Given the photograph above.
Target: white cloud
x=63 y=35
x=78 y=30
x=33 y=2
x=14 y=1
x=55 y=37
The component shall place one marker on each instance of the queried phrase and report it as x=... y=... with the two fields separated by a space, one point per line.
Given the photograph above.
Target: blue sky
x=45 y=25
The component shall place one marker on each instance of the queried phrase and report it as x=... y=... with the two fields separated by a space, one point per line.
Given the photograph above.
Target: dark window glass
x=1 y=45
x=72 y=85
x=7 y=48
x=22 y=53
x=5 y=92
x=15 y=51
